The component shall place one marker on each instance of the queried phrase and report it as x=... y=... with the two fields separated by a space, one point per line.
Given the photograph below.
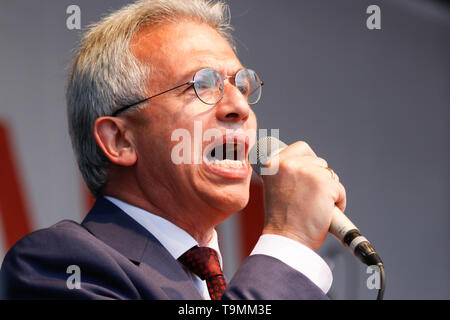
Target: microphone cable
x=380 y=295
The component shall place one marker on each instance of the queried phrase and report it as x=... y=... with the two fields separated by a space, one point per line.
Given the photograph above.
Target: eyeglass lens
x=249 y=83
x=209 y=85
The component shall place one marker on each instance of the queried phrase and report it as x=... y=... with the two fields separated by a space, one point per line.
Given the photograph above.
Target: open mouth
x=228 y=155
x=229 y=158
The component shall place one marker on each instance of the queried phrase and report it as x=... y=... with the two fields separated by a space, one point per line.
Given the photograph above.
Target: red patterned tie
x=204 y=262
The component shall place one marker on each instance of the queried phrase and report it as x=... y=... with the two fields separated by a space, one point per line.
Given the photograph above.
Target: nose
x=233 y=107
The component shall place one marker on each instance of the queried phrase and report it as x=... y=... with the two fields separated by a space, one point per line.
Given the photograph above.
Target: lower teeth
x=228 y=163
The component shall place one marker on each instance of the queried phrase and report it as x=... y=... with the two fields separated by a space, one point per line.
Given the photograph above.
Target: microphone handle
x=346 y=232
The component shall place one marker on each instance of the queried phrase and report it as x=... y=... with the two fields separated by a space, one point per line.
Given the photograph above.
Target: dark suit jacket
x=119 y=259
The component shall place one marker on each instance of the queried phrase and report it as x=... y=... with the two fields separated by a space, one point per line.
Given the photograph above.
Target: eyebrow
x=212 y=63
x=192 y=71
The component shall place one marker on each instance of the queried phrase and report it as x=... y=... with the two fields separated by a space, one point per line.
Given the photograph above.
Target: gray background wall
x=375 y=104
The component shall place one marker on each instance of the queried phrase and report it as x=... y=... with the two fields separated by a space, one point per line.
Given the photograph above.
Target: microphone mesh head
x=263 y=150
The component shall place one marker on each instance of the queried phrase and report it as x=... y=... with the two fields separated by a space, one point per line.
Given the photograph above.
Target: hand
x=299 y=199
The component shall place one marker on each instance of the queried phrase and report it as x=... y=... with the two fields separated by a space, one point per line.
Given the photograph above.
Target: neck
x=194 y=216
x=193 y=223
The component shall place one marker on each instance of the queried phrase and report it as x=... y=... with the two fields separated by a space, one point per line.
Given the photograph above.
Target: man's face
x=175 y=52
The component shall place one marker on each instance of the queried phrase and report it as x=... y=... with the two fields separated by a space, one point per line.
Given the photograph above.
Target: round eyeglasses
x=209 y=87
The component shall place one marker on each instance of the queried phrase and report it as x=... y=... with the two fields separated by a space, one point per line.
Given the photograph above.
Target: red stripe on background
x=252 y=217
x=13 y=211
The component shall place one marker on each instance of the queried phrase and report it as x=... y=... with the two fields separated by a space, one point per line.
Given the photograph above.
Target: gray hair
x=106 y=75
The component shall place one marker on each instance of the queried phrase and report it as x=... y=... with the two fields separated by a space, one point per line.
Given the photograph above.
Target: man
x=143 y=74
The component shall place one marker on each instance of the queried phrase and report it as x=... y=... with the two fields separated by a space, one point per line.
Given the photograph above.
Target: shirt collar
x=176 y=240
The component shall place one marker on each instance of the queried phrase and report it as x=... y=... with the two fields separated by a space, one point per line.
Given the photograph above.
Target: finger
x=336 y=177
x=333 y=175
x=341 y=201
x=312 y=160
x=337 y=189
x=321 y=162
x=299 y=149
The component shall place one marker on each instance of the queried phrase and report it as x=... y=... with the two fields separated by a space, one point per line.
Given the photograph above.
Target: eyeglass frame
x=192 y=82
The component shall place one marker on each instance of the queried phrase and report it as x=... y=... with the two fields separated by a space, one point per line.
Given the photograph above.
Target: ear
x=113 y=139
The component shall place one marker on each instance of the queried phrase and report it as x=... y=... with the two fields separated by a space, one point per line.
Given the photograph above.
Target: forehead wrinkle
x=219 y=56
x=176 y=51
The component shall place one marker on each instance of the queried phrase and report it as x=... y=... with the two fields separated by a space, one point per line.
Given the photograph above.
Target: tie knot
x=202 y=261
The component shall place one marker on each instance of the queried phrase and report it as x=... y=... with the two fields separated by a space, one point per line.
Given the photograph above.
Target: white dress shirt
x=177 y=241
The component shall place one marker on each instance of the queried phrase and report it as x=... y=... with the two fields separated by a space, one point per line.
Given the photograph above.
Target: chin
x=229 y=199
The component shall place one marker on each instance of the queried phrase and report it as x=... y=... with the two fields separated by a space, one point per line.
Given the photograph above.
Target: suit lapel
x=119 y=231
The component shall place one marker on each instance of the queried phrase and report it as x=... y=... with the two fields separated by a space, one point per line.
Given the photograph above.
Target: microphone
x=341 y=226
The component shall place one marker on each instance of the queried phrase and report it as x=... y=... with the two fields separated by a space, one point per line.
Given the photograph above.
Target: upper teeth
x=228 y=163
x=230 y=154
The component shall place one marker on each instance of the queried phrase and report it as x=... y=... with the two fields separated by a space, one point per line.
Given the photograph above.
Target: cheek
x=152 y=144
x=169 y=149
